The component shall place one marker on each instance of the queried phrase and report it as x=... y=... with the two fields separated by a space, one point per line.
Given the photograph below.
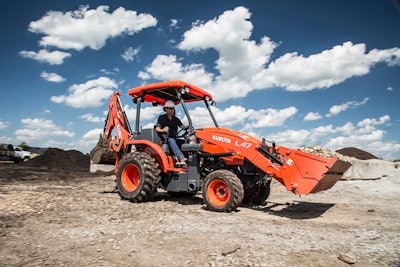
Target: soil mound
x=55 y=158
x=356 y=153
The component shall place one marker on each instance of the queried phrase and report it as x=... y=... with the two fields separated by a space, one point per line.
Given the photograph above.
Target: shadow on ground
x=298 y=210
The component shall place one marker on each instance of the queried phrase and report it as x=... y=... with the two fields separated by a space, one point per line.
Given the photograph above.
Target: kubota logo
x=221 y=139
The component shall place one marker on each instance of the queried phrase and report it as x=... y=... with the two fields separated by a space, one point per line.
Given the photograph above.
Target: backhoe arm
x=117 y=119
x=108 y=149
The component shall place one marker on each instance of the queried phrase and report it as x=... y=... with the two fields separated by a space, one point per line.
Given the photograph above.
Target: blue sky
x=297 y=72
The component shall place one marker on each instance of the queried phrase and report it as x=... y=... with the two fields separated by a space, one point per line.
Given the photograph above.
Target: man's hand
x=165 y=129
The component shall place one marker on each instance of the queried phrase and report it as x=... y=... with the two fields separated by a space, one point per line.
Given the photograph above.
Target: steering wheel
x=182 y=133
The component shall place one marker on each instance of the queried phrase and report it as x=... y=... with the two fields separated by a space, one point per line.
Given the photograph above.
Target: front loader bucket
x=311 y=173
x=101 y=154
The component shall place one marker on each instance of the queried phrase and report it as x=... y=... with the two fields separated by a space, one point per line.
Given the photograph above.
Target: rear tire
x=138 y=177
x=222 y=191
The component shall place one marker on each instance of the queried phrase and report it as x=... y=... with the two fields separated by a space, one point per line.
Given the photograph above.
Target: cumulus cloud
x=130 y=53
x=4 y=125
x=53 y=58
x=298 y=73
x=244 y=65
x=240 y=117
x=312 y=116
x=87 y=95
x=52 y=77
x=91 y=118
x=368 y=121
x=173 y=24
x=229 y=34
x=92 y=134
x=88 y=27
x=114 y=71
x=40 y=129
x=336 y=109
x=363 y=135
x=169 y=68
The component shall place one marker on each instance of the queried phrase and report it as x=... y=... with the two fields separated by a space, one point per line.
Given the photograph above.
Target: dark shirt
x=173 y=124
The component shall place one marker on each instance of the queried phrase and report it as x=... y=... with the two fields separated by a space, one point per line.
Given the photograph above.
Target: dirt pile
x=356 y=153
x=55 y=158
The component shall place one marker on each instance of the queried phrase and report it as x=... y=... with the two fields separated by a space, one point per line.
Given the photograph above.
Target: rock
x=230 y=250
x=346 y=259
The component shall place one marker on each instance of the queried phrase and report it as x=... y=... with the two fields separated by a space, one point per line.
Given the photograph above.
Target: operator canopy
x=164 y=91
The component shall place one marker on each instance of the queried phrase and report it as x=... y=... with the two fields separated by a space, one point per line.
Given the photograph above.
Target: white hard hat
x=169 y=104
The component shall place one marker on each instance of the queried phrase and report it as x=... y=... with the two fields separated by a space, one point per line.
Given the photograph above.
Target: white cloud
x=298 y=73
x=108 y=72
x=367 y=122
x=52 y=77
x=239 y=117
x=312 y=116
x=53 y=58
x=91 y=118
x=291 y=138
x=363 y=136
x=130 y=53
x=40 y=129
x=6 y=140
x=88 y=27
x=169 y=68
x=244 y=65
x=240 y=59
x=89 y=94
x=173 y=24
x=336 y=109
x=356 y=140
x=93 y=134
x=347 y=129
x=270 y=117
x=4 y=125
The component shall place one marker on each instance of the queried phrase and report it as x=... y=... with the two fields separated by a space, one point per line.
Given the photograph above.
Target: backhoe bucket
x=313 y=173
x=101 y=154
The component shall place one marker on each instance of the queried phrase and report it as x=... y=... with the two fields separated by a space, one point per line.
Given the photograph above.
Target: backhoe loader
x=227 y=166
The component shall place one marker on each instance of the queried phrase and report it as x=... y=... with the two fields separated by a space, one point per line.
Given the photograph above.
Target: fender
x=154 y=150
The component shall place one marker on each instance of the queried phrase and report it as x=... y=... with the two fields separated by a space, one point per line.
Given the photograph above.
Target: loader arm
x=298 y=171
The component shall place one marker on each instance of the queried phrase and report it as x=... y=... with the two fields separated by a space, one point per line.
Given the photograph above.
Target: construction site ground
x=63 y=215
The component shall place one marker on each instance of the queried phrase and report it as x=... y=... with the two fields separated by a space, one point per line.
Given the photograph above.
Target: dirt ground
x=59 y=217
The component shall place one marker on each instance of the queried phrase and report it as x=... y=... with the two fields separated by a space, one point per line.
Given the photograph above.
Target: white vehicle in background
x=9 y=152
x=20 y=154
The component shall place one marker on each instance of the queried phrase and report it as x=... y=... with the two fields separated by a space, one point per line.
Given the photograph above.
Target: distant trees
x=24 y=146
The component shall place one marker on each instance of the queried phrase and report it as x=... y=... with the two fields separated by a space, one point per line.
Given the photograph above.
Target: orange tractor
x=229 y=167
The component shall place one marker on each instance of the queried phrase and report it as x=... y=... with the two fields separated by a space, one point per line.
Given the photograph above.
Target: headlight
x=192 y=139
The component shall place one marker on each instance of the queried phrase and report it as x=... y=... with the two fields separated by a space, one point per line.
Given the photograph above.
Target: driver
x=167 y=127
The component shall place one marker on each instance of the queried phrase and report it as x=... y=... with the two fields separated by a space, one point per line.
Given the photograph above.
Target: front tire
x=138 y=177
x=258 y=193
x=222 y=191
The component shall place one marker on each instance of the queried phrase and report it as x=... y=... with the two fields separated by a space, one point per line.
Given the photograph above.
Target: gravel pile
x=324 y=152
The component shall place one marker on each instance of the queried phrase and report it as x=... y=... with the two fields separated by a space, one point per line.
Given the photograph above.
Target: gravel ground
x=67 y=218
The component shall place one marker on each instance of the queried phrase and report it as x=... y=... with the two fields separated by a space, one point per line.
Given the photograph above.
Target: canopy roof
x=163 y=91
